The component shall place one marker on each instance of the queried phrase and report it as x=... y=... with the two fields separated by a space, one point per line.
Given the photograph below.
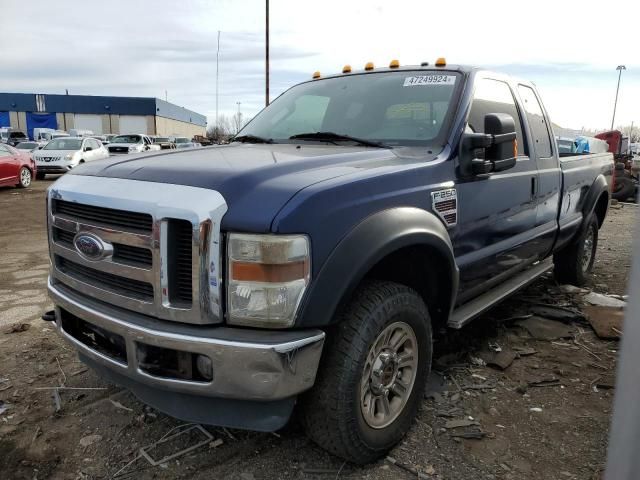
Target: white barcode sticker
x=429 y=80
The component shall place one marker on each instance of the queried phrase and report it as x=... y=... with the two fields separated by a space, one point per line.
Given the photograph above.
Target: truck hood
x=127 y=145
x=256 y=180
x=52 y=153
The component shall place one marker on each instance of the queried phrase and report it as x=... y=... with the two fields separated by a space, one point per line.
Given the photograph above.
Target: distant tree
x=222 y=131
x=237 y=121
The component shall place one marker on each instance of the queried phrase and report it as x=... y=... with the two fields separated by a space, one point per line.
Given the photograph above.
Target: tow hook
x=49 y=316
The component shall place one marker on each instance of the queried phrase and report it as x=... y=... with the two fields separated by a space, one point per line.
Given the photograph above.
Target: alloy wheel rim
x=25 y=177
x=389 y=374
x=587 y=250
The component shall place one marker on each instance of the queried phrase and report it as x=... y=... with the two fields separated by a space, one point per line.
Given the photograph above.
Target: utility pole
x=266 y=98
x=217 y=61
x=620 y=68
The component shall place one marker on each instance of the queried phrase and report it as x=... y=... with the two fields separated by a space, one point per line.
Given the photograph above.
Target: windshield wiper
x=251 y=139
x=334 y=137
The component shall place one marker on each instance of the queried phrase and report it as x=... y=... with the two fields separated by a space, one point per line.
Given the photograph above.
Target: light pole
x=620 y=68
x=217 y=58
x=266 y=93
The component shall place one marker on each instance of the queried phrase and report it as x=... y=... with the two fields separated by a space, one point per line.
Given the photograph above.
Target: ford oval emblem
x=91 y=247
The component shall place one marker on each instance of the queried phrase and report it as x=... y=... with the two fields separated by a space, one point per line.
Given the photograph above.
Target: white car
x=62 y=154
x=131 y=143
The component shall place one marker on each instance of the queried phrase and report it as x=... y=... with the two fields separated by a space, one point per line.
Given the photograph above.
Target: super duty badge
x=445 y=204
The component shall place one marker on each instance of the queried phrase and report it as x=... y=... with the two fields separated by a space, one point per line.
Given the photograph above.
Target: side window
x=96 y=144
x=537 y=121
x=494 y=96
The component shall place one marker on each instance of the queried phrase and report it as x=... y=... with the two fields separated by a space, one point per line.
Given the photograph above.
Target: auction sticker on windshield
x=429 y=80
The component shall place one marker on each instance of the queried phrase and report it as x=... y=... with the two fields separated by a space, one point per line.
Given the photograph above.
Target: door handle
x=534 y=187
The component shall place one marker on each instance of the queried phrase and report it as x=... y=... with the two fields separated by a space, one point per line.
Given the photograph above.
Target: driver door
x=497 y=211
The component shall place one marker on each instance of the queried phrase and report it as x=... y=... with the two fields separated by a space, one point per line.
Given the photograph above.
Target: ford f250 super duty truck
x=308 y=262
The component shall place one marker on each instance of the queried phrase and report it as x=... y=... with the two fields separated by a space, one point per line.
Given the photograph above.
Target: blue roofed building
x=99 y=114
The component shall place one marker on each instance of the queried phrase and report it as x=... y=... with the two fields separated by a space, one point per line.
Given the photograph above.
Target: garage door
x=133 y=124
x=88 y=122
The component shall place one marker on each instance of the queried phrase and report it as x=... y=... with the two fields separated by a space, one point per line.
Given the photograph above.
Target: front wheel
x=573 y=263
x=373 y=374
x=24 y=177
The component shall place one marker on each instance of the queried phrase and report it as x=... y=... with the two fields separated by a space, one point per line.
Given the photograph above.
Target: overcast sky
x=570 y=49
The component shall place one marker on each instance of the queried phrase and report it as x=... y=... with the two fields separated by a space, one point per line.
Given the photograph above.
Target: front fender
x=362 y=248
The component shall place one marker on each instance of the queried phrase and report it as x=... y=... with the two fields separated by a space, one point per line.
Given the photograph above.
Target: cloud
x=133 y=48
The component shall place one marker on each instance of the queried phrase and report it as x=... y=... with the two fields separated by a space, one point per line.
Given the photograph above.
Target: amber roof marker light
x=369 y=66
x=441 y=62
x=346 y=69
x=394 y=64
x=315 y=75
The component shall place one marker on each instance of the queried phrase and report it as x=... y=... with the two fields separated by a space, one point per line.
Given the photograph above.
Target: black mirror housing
x=498 y=142
x=504 y=151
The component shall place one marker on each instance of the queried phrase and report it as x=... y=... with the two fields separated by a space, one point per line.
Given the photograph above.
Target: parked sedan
x=131 y=143
x=16 y=167
x=28 y=146
x=63 y=154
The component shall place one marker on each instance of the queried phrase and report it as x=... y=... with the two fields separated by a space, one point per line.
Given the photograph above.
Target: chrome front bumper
x=259 y=365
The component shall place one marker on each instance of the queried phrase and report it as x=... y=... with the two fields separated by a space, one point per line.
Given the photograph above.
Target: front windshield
x=126 y=139
x=26 y=145
x=394 y=108
x=160 y=139
x=181 y=140
x=64 y=144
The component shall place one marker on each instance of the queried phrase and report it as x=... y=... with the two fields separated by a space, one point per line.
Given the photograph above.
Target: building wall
x=168 y=127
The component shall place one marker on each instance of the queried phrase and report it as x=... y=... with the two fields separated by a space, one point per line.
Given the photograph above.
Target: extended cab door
x=497 y=211
x=549 y=184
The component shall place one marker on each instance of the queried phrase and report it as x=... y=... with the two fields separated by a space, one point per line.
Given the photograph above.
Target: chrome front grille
x=162 y=248
x=121 y=219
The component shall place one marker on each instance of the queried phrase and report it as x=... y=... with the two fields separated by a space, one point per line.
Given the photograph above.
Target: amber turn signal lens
x=273 y=273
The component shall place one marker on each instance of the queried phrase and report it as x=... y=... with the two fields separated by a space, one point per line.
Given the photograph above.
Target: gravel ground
x=546 y=416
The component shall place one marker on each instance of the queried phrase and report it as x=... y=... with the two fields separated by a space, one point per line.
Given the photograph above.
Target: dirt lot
x=546 y=416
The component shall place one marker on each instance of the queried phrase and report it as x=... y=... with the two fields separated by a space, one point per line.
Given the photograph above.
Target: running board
x=467 y=312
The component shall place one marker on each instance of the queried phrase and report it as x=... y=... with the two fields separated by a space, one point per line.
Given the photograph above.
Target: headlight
x=133 y=149
x=69 y=156
x=268 y=275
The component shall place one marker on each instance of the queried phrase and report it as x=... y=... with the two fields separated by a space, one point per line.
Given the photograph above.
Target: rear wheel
x=373 y=374
x=24 y=177
x=573 y=263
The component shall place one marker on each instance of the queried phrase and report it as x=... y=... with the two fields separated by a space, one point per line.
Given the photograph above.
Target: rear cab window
x=495 y=96
x=537 y=122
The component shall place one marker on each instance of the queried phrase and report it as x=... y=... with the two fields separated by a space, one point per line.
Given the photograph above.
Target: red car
x=16 y=167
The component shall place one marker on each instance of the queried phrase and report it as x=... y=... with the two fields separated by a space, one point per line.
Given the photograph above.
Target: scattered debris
x=544 y=382
x=572 y=289
x=525 y=351
x=470 y=435
x=606 y=383
x=78 y=372
x=57 y=401
x=477 y=361
x=145 y=451
x=464 y=422
x=606 y=321
x=90 y=440
x=410 y=469
x=603 y=300
x=535 y=409
x=18 y=328
x=557 y=313
x=500 y=360
x=543 y=329
x=120 y=406
x=4 y=407
x=481 y=386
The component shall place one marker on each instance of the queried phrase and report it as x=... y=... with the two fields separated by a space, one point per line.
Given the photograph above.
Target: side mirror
x=493 y=151
x=87 y=149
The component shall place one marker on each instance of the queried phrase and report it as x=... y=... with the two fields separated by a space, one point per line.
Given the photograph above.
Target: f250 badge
x=445 y=204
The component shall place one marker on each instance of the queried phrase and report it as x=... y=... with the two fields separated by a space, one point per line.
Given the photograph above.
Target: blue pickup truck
x=307 y=263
